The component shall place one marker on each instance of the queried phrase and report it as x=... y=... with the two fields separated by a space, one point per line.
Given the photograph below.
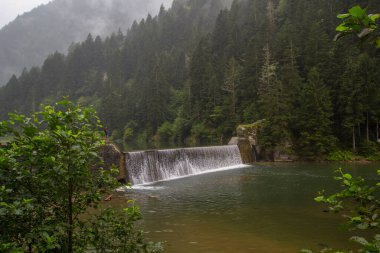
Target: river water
x=261 y=208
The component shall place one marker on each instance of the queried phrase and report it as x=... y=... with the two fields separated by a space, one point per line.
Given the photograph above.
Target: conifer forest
x=189 y=75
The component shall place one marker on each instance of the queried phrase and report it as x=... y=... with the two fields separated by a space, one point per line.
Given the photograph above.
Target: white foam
x=150 y=186
x=147 y=187
x=149 y=167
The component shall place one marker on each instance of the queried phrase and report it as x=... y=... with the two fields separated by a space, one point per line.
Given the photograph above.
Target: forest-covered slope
x=191 y=74
x=31 y=37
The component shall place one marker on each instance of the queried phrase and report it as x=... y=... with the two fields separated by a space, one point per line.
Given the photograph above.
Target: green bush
x=368 y=148
x=142 y=140
x=374 y=157
x=341 y=155
x=164 y=135
x=51 y=178
x=200 y=135
x=181 y=128
x=359 y=205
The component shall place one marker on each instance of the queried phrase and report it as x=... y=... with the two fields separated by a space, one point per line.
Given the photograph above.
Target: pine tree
x=273 y=104
x=231 y=81
x=201 y=74
x=351 y=100
x=314 y=117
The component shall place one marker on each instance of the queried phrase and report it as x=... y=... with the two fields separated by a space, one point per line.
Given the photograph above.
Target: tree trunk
x=234 y=102
x=292 y=58
x=377 y=131
x=270 y=16
x=353 y=140
x=70 y=218
x=367 y=127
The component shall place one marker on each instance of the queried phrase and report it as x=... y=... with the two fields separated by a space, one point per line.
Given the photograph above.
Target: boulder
x=246 y=149
x=113 y=157
x=250 y=131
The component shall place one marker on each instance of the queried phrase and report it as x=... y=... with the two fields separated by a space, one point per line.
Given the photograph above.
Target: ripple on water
x=256 y=209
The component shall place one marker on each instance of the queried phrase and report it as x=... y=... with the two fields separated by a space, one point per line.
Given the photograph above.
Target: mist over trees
x=190 y=74
x=31 y=37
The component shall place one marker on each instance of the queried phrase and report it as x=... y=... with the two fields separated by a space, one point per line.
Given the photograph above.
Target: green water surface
x=262 y=208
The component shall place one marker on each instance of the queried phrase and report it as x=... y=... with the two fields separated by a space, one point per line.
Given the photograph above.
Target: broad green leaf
x=319 y=199
x=359 y=240
x=353 y=188
x=357 y=12
x=374 y=17
x=356 y=219
x=63 y=102
x=342 y=28
x=342 y=16
x=347 y=176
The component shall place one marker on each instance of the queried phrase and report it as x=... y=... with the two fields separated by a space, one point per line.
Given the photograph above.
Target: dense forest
x=191 y=74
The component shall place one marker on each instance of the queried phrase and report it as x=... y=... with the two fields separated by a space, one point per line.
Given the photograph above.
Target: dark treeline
x=191 y=74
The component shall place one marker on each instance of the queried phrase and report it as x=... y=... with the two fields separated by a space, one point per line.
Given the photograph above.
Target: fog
x=101 y=17
x=11 y=8
x=31 y=37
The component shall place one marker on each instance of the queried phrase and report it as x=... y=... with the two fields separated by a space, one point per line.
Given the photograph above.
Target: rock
x=250 y=131
x=113 y=157
x=246 y=149
x=234 y=141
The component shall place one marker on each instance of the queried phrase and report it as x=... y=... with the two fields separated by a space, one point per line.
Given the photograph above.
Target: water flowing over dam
x=150 y=166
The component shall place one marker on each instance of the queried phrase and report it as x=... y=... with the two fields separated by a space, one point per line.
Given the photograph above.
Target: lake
x=261 y=208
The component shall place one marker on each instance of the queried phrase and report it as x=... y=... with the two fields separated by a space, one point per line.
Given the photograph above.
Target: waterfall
x=150 y=166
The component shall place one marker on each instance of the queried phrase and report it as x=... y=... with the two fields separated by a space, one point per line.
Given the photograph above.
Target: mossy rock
x=113 y=157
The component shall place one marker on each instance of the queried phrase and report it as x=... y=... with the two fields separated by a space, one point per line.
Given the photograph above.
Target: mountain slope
x=30 y=38
x=189 y=75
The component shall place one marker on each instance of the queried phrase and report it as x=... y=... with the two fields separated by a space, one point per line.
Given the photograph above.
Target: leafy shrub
x=359 y=205
x=374 y=157
x=48 y=186
x=341 y=155
x=114 y=231
x=368 y=148
x=164 y=135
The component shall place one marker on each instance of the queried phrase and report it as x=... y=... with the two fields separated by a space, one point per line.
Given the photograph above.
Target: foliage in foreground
x=359 y=205
x=359 y=23
x=50 y=179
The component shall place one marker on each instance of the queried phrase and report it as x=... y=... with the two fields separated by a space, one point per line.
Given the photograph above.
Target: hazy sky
x=9 y=9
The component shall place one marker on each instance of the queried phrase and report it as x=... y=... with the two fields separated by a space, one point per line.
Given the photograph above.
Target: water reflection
x=264 y=208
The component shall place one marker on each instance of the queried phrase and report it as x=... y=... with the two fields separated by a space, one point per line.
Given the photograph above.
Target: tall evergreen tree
x=273 y=104
x=314 y=117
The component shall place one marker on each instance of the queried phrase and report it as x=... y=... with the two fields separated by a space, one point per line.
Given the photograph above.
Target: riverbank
x=349 y=156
